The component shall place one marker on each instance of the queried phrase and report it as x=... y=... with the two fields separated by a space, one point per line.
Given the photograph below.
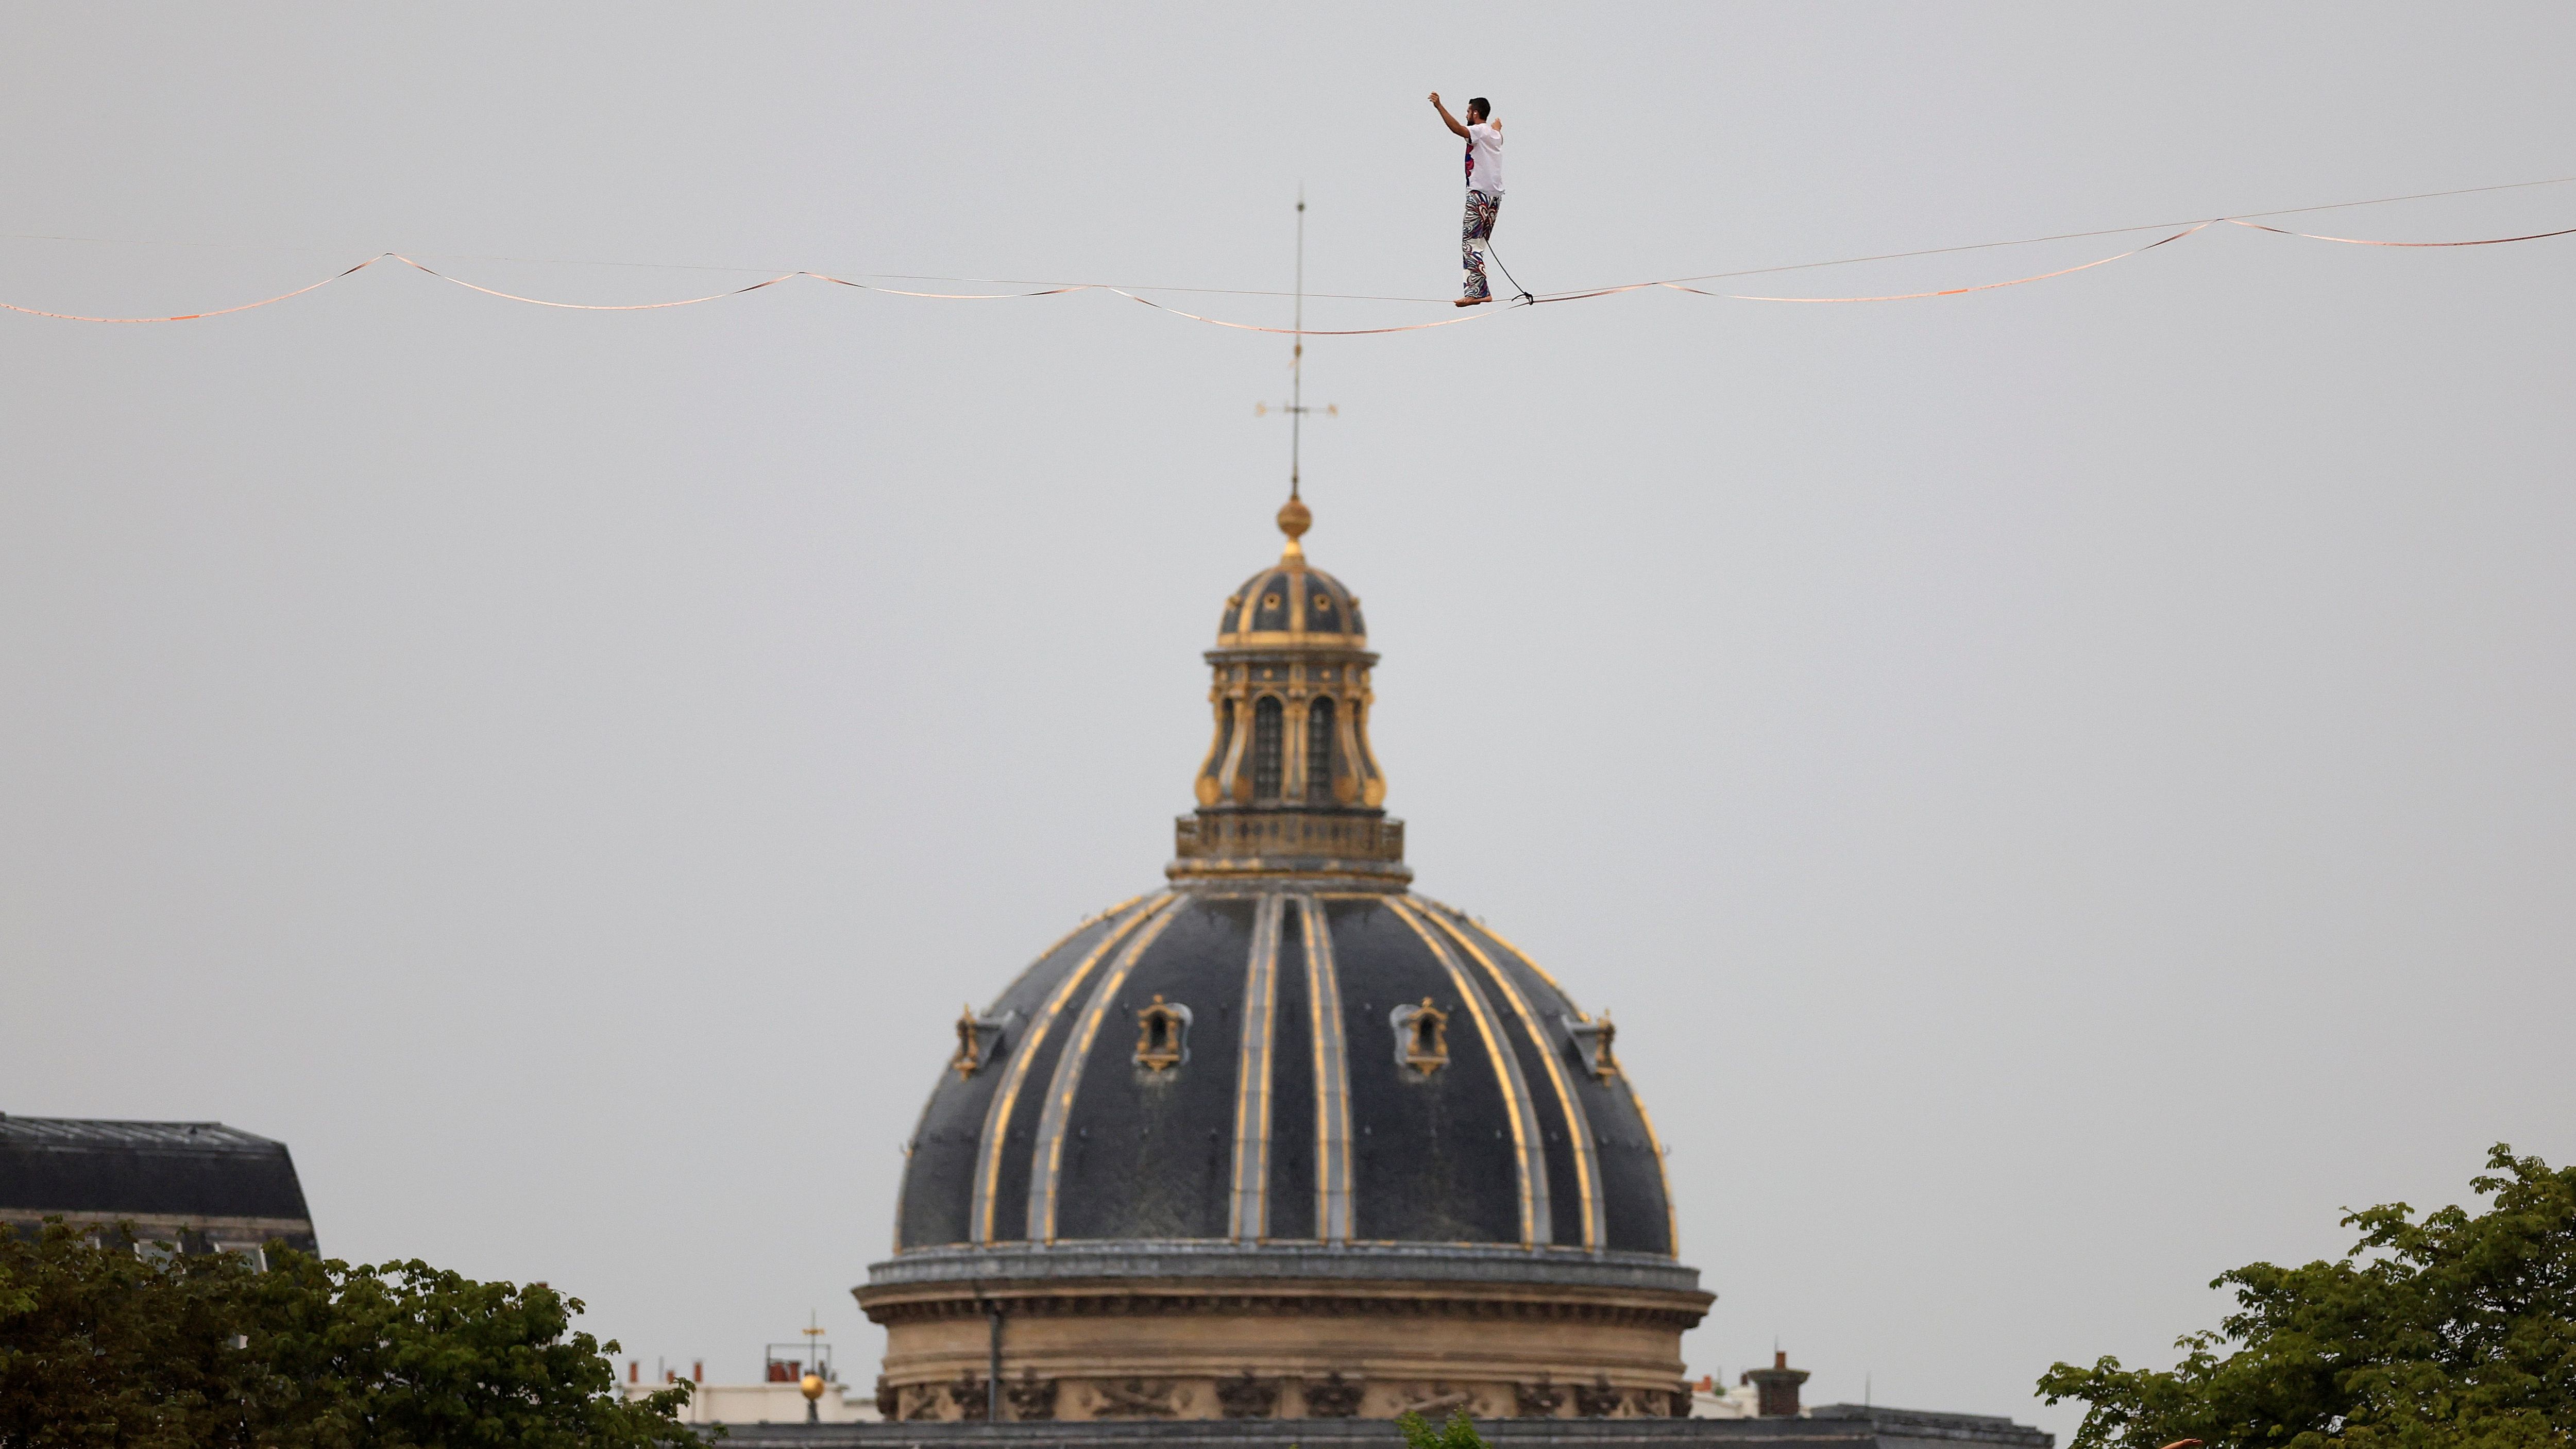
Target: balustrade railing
x=1235 y=835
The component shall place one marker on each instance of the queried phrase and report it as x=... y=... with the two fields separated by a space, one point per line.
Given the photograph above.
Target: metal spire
x=1296 y=408
x=1297 y=357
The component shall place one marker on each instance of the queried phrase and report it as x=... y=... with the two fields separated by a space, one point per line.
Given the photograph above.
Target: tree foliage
x=2453 y=1331
x=1458 y=1433
x=102 y=1346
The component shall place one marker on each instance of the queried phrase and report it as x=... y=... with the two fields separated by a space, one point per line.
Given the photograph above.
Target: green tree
x=2453 y=1331
x=1458 y=1433
x=102 y=1346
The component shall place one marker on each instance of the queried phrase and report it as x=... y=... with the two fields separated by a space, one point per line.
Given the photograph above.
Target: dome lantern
x=1289 y=785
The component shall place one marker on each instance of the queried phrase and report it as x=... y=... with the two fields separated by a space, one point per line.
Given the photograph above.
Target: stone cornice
x=1142 y=1300
x=1426 y=1263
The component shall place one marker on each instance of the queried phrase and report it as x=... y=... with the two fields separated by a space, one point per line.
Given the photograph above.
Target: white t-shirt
x=1485 y=158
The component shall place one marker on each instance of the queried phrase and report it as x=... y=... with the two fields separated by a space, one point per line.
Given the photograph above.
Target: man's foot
x=1473 y=301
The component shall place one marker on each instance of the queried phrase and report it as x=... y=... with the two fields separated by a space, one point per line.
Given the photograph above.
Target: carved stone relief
x=1333 y=1397
x=1432 y=1401
x=1597 y=1399
x=1032 y=1399
x=1537 y=1401
x=1248 y=1397
x=1134 y=1399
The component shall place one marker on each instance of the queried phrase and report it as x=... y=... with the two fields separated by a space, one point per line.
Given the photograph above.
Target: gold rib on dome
x=1289 y=786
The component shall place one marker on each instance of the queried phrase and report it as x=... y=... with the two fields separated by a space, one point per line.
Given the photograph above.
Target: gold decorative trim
x=1672 y=1210
x=1292 y=753
x=1587 y=1165
x=1333 y=1206
x=1298 y=639
x=1048 y=1163
x=1250 y=1217
x=1529 y=1154
x=997 y=1116
x=1209 y=786
x=1507 y=944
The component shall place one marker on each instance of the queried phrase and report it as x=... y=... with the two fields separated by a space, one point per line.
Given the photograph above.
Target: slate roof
x=145 y=1169
x=1524 y=1136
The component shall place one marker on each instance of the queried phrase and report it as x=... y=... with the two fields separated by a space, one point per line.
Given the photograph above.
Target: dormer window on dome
x=1421 y=1037
x=979 y=1041
x=1162 y=1036
x=1592 y=1037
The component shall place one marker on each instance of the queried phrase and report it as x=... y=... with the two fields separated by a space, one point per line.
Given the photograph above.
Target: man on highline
x=1484 y=137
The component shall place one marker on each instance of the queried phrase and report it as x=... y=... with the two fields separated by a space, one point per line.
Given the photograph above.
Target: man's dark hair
x=1483 y=108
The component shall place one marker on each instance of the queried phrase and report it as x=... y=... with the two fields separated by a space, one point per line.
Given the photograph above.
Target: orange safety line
x=196 y=316
x=1369 y=297
x=1951 y=291
x=946 y=296
x=2363 y=242
x=1067 y=289
x=1491 y=307
x=1055 y=287
x=587 y=306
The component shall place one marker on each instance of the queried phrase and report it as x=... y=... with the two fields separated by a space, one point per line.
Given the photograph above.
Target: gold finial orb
x=1294 y=520
x=812 y=1385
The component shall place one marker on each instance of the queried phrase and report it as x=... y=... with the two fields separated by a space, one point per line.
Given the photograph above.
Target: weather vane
x=1296 y=408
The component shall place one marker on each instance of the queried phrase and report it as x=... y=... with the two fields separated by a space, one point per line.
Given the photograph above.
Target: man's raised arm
x=1447 y=119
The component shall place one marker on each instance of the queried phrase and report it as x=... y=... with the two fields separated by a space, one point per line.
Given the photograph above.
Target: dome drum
x=1324 y=1347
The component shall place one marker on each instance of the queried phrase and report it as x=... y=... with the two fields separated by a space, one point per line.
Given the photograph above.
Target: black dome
x=1280 y=1065
x=1291 y=605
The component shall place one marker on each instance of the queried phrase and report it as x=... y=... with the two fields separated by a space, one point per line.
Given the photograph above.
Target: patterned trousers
x=1474 y=232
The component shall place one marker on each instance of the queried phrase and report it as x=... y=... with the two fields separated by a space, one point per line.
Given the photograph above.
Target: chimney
x=698 y=1372
x=1777 y=1387
x=635 y=1371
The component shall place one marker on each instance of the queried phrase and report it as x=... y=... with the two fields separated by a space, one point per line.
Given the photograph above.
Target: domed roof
x=1285 y=1053
x=1291 y=605
x=1269 y=1066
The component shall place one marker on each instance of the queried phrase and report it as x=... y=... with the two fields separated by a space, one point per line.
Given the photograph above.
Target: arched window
x=1265 y=748
x=1319 y=752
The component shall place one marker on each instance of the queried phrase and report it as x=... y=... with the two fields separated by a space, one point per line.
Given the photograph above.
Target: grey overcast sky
x=2064 y=789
